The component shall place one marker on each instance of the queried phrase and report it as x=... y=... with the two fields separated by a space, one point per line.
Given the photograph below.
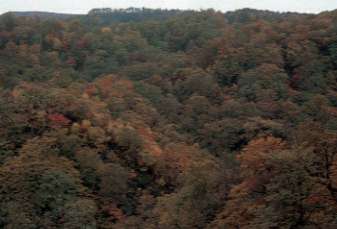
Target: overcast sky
x=83 y=6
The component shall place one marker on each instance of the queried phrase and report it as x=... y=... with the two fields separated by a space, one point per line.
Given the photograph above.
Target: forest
x=168 y=119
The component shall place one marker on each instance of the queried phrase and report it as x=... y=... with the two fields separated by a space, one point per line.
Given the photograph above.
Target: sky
x=83 y=6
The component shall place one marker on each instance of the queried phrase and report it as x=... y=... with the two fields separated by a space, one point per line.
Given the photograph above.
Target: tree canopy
x=141 y=118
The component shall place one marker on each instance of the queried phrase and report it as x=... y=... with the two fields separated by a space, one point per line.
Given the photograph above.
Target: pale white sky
x=83 y=6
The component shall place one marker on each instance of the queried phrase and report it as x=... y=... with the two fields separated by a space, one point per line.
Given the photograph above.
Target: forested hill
x=43 y=15
x=145 y=14
x=107 y=15
x=168 y=119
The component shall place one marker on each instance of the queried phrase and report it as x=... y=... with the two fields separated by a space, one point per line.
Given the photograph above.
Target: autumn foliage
x=168 y=119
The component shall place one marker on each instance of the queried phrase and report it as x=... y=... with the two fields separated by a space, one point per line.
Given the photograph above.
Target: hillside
x=43 y=15
x=107 y=15
x=140 y=118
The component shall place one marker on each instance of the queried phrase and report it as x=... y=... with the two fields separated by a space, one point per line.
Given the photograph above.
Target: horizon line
x=153 y=8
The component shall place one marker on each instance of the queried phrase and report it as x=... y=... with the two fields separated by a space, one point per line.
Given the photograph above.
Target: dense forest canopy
x=168 y=119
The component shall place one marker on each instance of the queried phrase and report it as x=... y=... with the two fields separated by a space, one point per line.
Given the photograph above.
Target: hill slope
x=168 y=119
x=43 y=15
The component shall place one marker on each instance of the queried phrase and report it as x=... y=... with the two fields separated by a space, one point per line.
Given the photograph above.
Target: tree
x=43 y=185
x=113 y=181
x=282 y=185
x=7 y=22
x=197 y=200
